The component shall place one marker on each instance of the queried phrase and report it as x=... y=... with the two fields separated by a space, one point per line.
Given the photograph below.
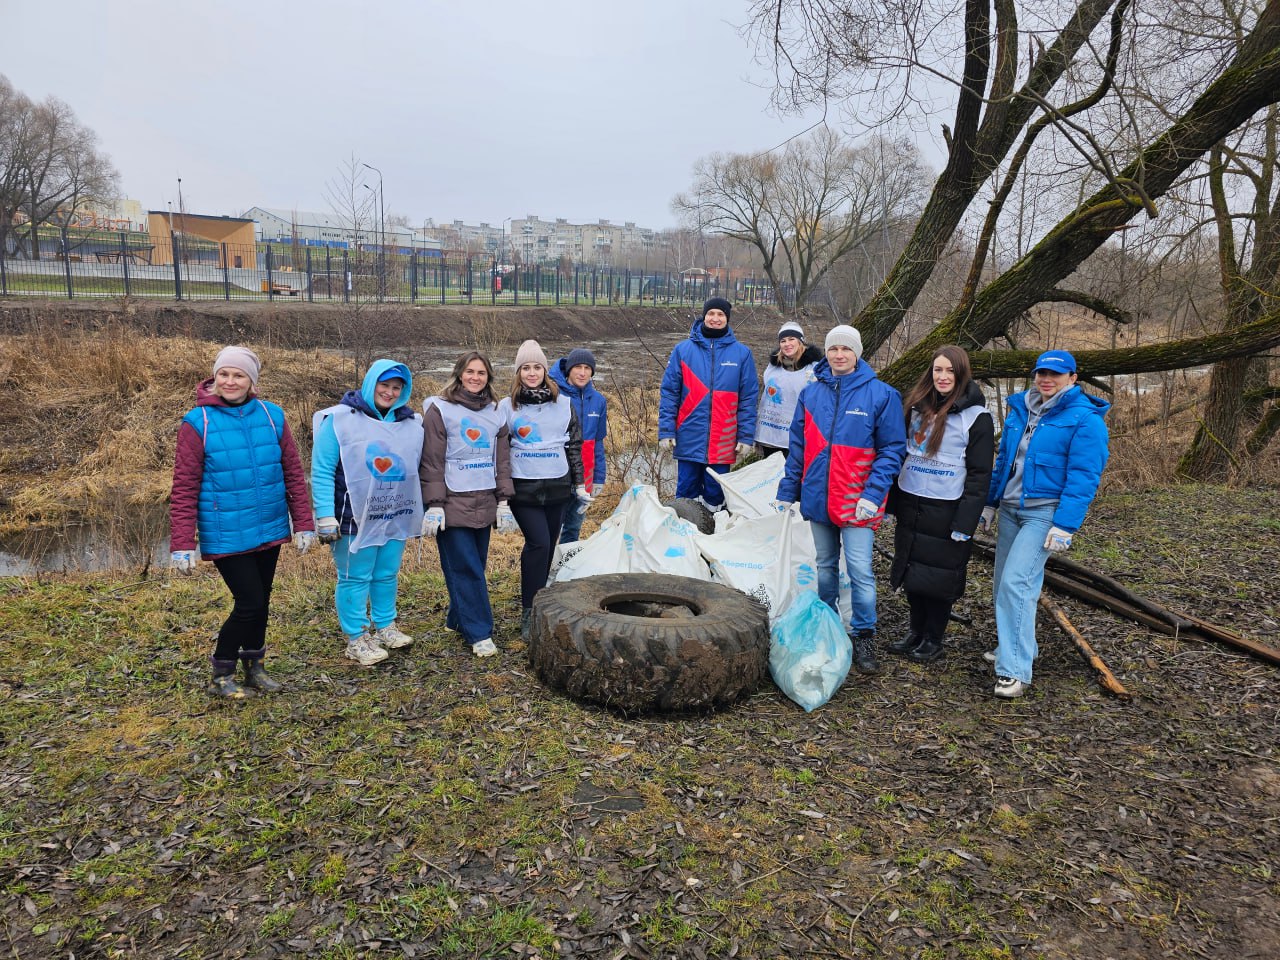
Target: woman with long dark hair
x=466 y=479
x=938 y=497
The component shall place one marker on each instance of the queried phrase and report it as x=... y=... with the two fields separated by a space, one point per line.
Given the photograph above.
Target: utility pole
x=382 y=238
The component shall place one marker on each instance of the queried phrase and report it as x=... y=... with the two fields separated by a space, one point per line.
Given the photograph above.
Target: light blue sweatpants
x=368 y=581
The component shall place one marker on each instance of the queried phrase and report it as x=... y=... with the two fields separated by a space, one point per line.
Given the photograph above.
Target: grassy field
x=444 y=806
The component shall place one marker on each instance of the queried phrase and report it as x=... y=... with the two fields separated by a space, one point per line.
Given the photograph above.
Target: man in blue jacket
x=574 y=374
x=1053 y=450
x=848 y=440
x=707 y=412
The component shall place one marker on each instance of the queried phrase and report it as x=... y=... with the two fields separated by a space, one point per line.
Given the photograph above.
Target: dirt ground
x=440 y=806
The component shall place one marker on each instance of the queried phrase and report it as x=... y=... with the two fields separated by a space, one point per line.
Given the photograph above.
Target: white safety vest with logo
x=380 y=463
x=940 y=477
x=471 y=444
x=777 y=404
x=539 y=432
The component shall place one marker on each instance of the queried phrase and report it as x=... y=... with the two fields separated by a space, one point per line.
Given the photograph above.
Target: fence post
x=4 y=272
x=271 y=282
x=177 y=270
x=471 y=279
x=346 y=277
x=311 y=294
x=413 y=276
x=124 y=260
x=515 y=284
x=66 y=260
x=226 y=273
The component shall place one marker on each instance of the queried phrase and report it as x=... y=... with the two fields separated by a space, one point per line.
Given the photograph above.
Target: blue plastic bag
x=809 y=652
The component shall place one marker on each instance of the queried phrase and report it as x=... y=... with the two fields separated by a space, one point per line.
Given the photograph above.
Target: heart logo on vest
x=382 y=464
x=472 y=434
x=524 y=431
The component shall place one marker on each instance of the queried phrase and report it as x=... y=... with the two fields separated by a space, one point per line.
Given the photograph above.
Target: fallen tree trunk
x=1065 y=576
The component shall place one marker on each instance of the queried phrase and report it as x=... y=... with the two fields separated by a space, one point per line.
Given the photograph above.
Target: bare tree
x=806 y=207
x=50 y=165
x=1059 y=99
x=355 y=208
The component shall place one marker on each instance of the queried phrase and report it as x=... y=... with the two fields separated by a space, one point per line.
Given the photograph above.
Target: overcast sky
x=475 y=111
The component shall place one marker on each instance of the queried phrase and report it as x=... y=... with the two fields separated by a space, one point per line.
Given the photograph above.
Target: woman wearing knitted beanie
x=546 y=467
x=239 y=486
x=790 y=370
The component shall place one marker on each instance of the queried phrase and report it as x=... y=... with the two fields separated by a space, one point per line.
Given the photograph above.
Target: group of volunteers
x=382 y=474
x=533 y=460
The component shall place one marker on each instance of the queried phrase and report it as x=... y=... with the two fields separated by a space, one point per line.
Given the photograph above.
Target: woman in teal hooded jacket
x=364 y=483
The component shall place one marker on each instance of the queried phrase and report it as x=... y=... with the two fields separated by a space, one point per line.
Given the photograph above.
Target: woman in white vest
x=546 y=467
x=789 y=371
x=466 y=482
x=938 y=497
x=364 y=485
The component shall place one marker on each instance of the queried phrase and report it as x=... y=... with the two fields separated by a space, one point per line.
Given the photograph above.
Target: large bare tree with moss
x=1029 y=84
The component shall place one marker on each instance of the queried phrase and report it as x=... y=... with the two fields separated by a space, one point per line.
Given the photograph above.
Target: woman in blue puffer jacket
x=1052 y=453
x=239 y=486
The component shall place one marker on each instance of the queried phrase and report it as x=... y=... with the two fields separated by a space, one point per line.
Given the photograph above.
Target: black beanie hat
x=718 y=303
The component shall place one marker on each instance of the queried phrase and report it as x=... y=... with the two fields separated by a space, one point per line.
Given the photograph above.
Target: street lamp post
x=382 y=238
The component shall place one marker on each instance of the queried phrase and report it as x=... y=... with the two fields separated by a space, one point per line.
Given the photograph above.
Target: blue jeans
x=857 y=543
x=368 y=581
x=571 y=529
x=464 y=554
x=1019 y=575
x=693 y=481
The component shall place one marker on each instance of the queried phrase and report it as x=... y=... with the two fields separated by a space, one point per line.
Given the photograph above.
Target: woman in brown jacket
x=466 y=480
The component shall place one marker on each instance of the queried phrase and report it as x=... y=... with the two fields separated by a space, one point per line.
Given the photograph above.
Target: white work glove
x=782 y=506
x=988 y=519
x=506 y=519
x=304 y=540
x=584 y=495
x=327 y=529
x=183 y=561
x=866 y=509
x=1057 y=540
x=667 y=445
x=432 y=521
x=958 y=536
x=742 y=450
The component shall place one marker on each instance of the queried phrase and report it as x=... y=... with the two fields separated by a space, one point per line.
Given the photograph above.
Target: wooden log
x=1105 y=677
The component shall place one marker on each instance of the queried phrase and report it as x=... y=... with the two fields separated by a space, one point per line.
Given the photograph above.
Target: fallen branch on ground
x=1105 y=676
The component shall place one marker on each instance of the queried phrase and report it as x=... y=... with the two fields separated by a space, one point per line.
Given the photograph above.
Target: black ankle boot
x=255 y=675
x=225 y=684
x=929 y=650
x=904 y=646
x=864 y=651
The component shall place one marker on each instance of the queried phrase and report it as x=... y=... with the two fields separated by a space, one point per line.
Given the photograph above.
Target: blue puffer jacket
x=709 y=394
x=848 y=440
x=328 y=482
x=593 y=416
x=241 y=504
x=1065 y=457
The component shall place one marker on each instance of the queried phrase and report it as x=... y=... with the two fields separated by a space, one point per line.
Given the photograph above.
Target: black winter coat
x=926 y=560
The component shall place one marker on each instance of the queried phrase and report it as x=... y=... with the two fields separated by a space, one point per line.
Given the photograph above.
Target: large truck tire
x=646 y=642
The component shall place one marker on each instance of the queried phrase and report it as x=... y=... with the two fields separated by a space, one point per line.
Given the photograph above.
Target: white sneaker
x=365 y=652
x=1010 y=687
x=989 y=656
x=391 y=638
x=485 y=648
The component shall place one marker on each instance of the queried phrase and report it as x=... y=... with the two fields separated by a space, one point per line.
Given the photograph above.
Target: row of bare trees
x=1075 y=135
x=50 y=166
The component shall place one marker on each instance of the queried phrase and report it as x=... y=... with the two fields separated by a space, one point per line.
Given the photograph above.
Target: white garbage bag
x=750 y=492
x=770 y=557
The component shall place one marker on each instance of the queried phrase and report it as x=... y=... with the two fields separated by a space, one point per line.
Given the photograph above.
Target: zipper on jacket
x=832 y=441
x=711 y=402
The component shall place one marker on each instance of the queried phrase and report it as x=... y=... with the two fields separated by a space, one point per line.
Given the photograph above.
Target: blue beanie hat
x=717 y=303
x=578 y=356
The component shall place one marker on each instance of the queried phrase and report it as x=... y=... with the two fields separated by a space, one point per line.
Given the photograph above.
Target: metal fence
x=96 y=264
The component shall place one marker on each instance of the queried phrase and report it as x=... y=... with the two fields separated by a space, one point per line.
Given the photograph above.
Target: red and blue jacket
x=848 y=440
x=593 y=416
x=709 y=394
